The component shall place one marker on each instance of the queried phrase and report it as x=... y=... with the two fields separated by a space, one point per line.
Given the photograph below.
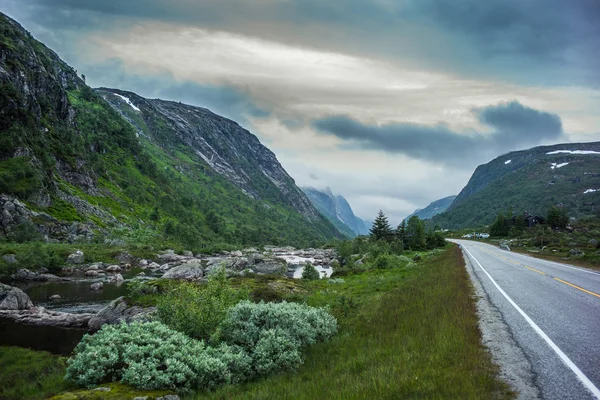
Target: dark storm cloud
x=513 y=125
x=550 y=42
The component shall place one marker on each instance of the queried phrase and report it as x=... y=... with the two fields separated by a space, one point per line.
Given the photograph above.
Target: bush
x=274 y=333
x=147 y=355
x=197 y=311
x=40 y=256
x=310 y=273
x=302 y=324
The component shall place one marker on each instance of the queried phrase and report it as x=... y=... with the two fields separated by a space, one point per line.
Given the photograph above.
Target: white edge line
x=580 y=375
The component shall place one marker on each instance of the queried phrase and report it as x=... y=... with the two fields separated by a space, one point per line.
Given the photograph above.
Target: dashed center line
x=535 y=270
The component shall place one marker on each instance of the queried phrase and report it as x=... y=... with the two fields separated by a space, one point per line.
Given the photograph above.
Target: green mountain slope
x=530 y=181
x=435 y=208
x=71 y=156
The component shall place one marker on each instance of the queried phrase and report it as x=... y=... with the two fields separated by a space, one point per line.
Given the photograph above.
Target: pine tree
x=401 y=234
x=381 y=229
x=415 y=230
x=558 y=217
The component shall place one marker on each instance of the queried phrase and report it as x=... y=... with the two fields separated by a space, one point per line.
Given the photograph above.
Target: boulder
x=97 y=286
x=125 y=257
x=117 y=278
x=187 y=253
x=54 y=297
x=91 y=272
x=190 y=271
x=236 y=253
x=113 y=268
x=12 y=298
x=143 y=263
x=593 y=243
x=76 y=258
x=117 y=311
x=576 y=252
x=269 y=265
x=10 y=258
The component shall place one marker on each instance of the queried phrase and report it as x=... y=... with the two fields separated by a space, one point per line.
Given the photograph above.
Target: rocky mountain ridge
x=86 y=164
x=337 y=210
x=434 y=208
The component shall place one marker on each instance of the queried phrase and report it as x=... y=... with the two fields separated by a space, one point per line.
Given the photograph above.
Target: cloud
x=512 y=125
x=554 y=42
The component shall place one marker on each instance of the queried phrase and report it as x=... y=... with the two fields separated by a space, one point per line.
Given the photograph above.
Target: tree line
x=411 y=235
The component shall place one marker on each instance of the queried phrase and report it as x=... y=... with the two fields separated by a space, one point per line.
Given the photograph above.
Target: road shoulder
x=515 y=368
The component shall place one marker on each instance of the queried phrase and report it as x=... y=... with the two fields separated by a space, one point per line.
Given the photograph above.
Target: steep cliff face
x=79 y=168
x=337 y=210
x=531 y=181
x=222 y=144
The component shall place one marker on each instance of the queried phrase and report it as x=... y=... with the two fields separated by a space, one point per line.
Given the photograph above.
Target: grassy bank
x=404 y=333
x=28 y=374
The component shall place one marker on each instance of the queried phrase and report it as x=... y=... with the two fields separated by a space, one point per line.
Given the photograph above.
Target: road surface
x=552 y=311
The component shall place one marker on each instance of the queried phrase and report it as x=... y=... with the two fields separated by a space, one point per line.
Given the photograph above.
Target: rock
x=335 y=263
x=97 y=286
x=187 y=253
x=576 y=252
x=101 y=389
x=10 y=258
x=141 y=274
x=169 y=397
x=153 y=265
x=118 y=310
x=190 y=271
x=55 y=297
x=27 y=275
x=275 y=266
x=113 y=268
x=143 y=263
x=125 y=257
x=93 y=267
x=42 y=317
x=236 y=253
x=593 y=243
x=12 y=298
x=91 y=272
x=118 y=278
x=76 y=258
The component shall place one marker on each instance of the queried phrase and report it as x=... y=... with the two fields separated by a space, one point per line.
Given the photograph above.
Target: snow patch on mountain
x=126 y=100
x=573 y=152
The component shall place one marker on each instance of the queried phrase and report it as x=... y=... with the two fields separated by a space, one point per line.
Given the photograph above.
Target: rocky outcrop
x=76 y=258
x=190 y=271
x=12 y=298
x=27 y=275
x=43 y=317
x=118 y=311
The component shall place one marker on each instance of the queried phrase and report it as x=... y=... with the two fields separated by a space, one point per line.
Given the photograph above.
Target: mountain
x=531 y=181
x=80 y=163
x=337 y=210
x=435 y=208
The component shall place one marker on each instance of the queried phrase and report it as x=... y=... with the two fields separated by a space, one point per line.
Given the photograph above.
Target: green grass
x=27 y=374
x=403 y=334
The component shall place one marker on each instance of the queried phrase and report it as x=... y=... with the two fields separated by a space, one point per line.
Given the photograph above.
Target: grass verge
x=404 y=333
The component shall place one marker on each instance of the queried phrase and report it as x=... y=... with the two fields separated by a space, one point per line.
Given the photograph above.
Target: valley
x=155 y=249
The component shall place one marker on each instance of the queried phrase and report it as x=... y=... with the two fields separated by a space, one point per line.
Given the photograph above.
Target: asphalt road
x=552 y=311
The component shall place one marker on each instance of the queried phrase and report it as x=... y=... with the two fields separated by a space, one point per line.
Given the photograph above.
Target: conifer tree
x=381 y=229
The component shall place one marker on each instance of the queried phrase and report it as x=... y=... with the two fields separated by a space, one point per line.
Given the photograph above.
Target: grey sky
x=390 y=103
